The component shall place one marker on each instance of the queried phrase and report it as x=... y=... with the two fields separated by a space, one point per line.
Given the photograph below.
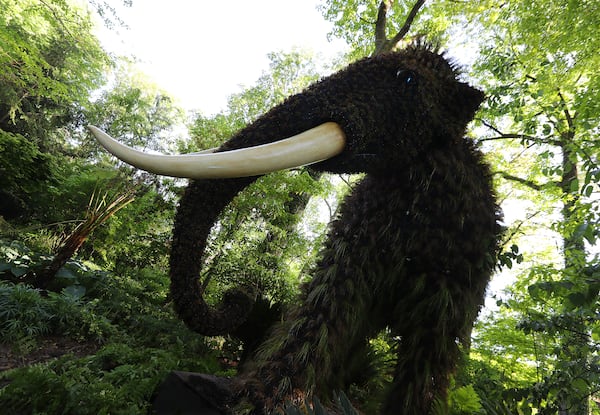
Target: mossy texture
x=412 y=249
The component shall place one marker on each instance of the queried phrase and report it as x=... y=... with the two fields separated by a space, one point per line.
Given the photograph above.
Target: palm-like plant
x=99 y=210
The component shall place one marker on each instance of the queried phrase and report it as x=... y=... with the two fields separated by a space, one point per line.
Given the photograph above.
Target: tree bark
x=574 y=344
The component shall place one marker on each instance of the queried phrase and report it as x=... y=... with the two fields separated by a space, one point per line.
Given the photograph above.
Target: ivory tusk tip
x=100 y=135
x=93 y=129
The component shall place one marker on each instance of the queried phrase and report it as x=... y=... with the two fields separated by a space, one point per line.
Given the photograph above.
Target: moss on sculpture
x=412 y=248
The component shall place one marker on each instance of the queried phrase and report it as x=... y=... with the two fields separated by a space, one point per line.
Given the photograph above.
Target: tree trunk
x=574 y=344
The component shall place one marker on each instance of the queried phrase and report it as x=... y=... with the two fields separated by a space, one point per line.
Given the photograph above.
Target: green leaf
x=75 y=291
x=577 y=299
x=546 y=129
x=574 y=186
x=65 y=273
x=580 y=385
x=19 y=271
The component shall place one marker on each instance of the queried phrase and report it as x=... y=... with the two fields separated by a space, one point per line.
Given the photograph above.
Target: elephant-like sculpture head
x=379 y=116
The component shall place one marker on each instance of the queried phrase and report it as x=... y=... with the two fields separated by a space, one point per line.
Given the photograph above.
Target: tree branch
x=382 y=43
x=407 y=23
x=568 y=116
x=380 y=37
x=507 y=136
x=529 y=183
x=516 y=230
x=512 y=136
x=490 y=126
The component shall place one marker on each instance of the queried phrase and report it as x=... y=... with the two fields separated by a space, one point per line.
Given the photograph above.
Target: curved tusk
x=317 y=144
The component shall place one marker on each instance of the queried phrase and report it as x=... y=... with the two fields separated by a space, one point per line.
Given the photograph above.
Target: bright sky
x=202 y=51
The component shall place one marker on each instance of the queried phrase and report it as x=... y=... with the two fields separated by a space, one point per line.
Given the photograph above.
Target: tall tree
x=543 y=94
x=537 y=63
x=373 y=26
x=135 y=108
x=51 y=70
x=50 y=62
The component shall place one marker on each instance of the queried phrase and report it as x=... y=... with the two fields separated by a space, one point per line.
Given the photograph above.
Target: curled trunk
x=192 y=227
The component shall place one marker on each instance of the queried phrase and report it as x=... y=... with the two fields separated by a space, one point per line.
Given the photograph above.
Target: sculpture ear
x=462 y=106
x=469 y=99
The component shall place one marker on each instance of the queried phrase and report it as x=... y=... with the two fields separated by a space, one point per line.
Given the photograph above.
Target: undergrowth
x=128 y=317
x=118 y=379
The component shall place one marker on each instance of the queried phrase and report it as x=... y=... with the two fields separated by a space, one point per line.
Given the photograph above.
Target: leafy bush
x=20 y=263
x=17 y=260
x=26 y=314
x=23 y=313
x=465 y=401
x=119 y=379
x=129 y=314
x=25 y=171
x=74 y=317
x=84 y=302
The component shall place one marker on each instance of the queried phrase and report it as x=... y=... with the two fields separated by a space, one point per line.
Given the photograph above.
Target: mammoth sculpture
x=412 y=247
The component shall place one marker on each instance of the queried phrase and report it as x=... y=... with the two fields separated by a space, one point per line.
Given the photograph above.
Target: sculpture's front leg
x=342 y=307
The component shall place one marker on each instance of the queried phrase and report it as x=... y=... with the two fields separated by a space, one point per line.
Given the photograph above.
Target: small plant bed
x=44 y=350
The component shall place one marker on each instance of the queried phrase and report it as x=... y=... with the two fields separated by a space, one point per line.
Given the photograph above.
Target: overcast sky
x=202 y=51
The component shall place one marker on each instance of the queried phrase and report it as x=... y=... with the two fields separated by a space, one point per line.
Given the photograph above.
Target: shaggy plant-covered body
x=412 y=248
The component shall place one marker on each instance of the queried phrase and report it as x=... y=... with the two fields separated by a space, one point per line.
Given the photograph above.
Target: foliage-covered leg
x=310 y=351
x=307 y=353
x=430 y=337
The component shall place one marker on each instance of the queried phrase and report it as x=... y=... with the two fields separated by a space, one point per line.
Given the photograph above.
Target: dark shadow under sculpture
x=412 y=248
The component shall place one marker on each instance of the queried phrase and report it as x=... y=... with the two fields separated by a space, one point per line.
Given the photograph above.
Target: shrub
x=23 y=313
x=119 y=379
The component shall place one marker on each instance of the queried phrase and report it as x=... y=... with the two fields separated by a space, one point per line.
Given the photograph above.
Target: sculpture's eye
x=407 y=77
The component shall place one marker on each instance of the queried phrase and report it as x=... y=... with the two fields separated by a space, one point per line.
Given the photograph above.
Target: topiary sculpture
x=412 y=248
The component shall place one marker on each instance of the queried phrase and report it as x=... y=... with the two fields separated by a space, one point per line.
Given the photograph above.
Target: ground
x=47 y=349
